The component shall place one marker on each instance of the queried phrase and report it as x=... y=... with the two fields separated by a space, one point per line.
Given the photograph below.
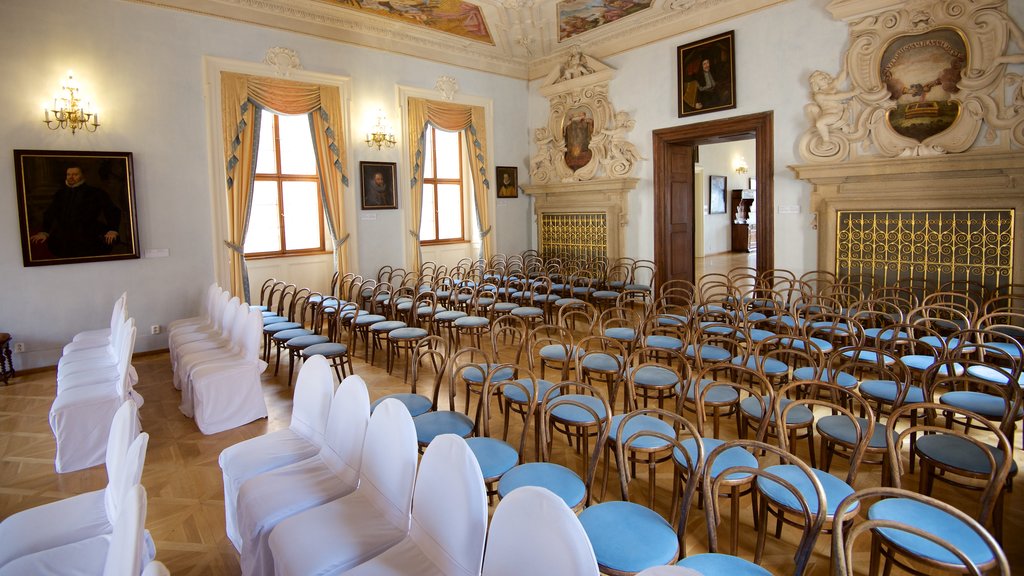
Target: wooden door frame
x=760 y=127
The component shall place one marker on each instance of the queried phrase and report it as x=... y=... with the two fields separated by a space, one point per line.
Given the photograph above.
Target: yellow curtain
x=323 y=103
x=453 y=117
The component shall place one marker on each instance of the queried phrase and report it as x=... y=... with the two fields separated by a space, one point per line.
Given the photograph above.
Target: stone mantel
x=608 y=196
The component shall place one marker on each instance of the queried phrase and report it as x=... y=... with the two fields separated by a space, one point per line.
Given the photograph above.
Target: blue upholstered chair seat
x=516 y=395
x=601 y=362
x=718 y=328
x=416 y=403
x=843 y=379
x=672 y=320
x=472 y=322
x=709 y=353
x=582 y=290
x=1006 y=347
x=655 y=377
x=566 y=301
x=718 y=394
x=664 y=342
x=799 y=415
x=387 y=325
x=935 y=521
x=886 y=390
x=959 y=452
x=823 y=344
x=641 y=287
x=280 y=326
x=641 y=424
x=772 y=367
x=306 y=340
x=273 y=319
x=987 y=405
x=449 y=315
x=477 y=376
x=922 y=362
x=555 y=477
x=407 y=333
x=709 y=563
x=495 y=457
x=628 y=537
x=732 y=457
x=996 y=374
x=868 y=356
x=429 y=425
x=282 y=336
x=759 y=334
x=606 y=294
x=367 y=319
x=575 y=414
x=505 y=306
x=557 y=352
x=835 y=489
x=840 y=428
x=527 y=311
x=884 y=333
x=621 y=333
x=262 y=308
x=940 y=341
x=327 y=349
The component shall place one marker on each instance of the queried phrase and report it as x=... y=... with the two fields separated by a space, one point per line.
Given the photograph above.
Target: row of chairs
x=362 y=502
x=98 y=532
x=94 y=377
x=216 y=363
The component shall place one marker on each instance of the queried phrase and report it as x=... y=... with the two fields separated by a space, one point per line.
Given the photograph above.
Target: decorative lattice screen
x=580 y=237
x=937 y=245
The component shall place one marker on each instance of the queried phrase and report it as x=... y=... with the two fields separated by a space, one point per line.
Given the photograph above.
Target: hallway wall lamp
x=739 y=165
x=68 y=111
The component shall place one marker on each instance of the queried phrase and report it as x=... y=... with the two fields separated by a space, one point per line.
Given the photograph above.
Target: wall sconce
x=739 y=165
x=380 y=137
x=68 y=111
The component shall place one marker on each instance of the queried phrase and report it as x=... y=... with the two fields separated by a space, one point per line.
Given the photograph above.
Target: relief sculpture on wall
x=925 y=78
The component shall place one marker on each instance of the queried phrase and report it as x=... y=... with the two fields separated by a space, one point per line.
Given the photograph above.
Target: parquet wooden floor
x=183 y=480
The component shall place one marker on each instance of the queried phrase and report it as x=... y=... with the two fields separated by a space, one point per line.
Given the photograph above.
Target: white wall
x=143 y=67
x=776 y=50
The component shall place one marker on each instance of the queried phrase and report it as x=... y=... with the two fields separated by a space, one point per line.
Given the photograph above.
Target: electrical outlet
x=154 y=329
x=19 y=347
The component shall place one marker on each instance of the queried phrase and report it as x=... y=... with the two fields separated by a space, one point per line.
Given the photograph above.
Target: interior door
x=678 y=213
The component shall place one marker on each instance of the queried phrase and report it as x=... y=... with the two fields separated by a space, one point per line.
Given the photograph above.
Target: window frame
x=434 y=182
x=280 y=178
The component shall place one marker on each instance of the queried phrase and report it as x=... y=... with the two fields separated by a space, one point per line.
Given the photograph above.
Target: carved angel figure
x=828 y=107
x=576 y=65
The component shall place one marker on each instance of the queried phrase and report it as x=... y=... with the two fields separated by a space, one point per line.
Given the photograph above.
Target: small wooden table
x=6 y=364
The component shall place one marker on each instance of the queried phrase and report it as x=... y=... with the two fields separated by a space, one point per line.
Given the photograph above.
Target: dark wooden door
x=678 y=213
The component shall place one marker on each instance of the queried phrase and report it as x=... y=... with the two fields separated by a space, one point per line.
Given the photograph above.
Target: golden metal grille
x=939 y=246
x=580 y=236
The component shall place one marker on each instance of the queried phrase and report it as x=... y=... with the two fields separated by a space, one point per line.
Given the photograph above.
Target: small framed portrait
x=707 y=75
x=507 y=178
x=716 y=192
x=378 y=185
x=76 y=207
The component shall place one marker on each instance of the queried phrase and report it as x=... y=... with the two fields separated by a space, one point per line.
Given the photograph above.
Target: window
x=287 y=215
x=443 y=218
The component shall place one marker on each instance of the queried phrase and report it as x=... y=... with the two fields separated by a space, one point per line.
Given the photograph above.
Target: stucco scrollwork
x=283 y=60
x=585 y=138
x=927 y=78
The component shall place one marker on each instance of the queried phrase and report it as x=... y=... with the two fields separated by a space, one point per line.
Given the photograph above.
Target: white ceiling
x=525 y=32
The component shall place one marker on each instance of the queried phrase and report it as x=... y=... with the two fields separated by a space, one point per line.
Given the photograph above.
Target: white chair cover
x=205 y=305
x=228 y=394
x=78 y=517
x=95 y=341
x=118 y=554
x=156 y=568
x=101 y=336
x=184 y=334
x=211 y=337
x=301 y=440
x=534 y=532
x=101 y=369
x=351 y=530
x=449 y=518
x=265 y=500
x=227 y=346
x=81 y=418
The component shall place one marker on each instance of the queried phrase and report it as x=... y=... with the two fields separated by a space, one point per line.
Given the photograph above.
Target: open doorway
x=675 y=205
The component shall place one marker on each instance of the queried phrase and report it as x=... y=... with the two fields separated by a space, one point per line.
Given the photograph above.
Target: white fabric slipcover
x=533 y=531
x=265 y=500
x=302 y=439
x=226 y=345
x=344 y=533
x=449 y=518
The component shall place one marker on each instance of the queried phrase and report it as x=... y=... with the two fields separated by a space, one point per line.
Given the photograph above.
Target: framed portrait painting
x=706 y=72
x=75 y=207
x=716 y=191
x=507 y=178
x=378 y=181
